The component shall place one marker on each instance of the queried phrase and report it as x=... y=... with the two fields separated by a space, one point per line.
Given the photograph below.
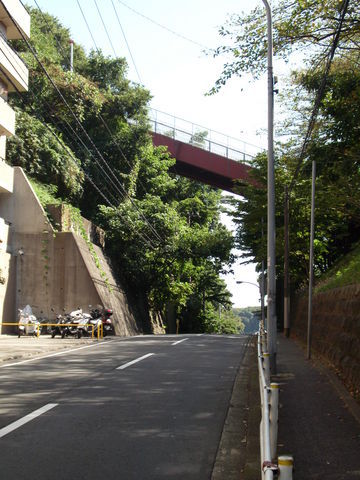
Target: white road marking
x=36 y=413
x=179 y=341
x=134 y=361
x=56 y=354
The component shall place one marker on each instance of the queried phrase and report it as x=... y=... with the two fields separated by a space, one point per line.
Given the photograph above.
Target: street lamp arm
x=250 y=283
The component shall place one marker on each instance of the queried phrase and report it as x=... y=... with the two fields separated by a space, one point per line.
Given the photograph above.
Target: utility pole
x=262 y=283
x=286 y=265
x=271 y=284
x=311 y=260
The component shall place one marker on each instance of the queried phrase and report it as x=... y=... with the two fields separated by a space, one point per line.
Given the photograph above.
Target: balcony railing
x=14 y=16
x=7 y=119
x=14 y=69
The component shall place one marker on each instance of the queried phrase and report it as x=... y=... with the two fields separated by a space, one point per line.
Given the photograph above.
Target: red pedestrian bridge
x=206 y=156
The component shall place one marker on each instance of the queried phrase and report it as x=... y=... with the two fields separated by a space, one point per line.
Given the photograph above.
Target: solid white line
x=36 y=413
x=179 y=341
x=134 y=361
x=56 y=354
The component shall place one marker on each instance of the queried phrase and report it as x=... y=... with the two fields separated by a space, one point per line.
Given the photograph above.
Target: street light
x=271 y=284
x=261 y=291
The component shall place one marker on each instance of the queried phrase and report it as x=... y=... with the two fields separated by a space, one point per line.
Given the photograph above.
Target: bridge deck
x=205 y=166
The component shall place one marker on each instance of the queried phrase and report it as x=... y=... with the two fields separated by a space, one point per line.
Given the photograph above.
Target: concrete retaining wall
x=335 y=329
x=56 y=271
x=59 y=272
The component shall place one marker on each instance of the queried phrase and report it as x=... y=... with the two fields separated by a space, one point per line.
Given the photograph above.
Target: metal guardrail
x=202 y=137
x=269 y=396
x=38 y=327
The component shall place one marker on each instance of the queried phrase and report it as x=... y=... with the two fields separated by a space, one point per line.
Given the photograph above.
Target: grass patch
x=345 y=272
x=45 y=193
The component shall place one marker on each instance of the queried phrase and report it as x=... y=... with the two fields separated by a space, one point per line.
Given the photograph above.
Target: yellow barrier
x=38 y=326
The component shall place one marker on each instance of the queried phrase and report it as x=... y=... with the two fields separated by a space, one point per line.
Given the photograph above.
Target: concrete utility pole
x=311 y=260
x=286 y=265
x=271 y=284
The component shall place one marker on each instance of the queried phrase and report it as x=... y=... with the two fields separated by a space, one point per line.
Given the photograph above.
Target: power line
x=143 y=236
x=82 y=13
x=48 y=106
x=80 y=124
x=68 y=151
x=127 y=44
x=109 y=131
x=65 y=54
x=106 y=30
x=180 y=35
x=48 y=76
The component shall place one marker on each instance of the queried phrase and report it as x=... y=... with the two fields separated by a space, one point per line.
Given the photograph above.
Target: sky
x=177 y=72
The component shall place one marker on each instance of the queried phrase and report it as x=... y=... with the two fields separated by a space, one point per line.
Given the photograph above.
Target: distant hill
x=250 y=317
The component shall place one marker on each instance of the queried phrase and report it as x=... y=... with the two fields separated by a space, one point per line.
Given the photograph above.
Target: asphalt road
x=137 y=408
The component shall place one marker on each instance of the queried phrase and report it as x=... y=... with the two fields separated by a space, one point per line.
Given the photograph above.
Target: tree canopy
x=85 y=134
x=304 y=26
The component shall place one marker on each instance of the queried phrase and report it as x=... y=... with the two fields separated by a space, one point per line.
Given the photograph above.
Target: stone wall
x=335 y=330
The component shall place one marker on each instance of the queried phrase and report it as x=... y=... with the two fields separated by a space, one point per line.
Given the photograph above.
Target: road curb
x=238 y=455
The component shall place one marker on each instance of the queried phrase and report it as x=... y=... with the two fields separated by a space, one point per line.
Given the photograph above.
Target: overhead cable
x=107 y=128
x=127 y=44
x=34 y=53
x=106 y=30
x=144 y=237
x=183 y=37
x=82 y=13
x=79 y=123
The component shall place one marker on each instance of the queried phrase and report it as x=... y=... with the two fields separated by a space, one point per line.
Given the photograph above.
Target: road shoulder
x=238 y=454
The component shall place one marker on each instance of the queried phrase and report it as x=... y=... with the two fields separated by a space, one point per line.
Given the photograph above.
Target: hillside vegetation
x=83 y=139
x=346 y=271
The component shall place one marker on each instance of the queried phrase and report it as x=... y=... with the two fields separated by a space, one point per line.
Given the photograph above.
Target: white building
x=14 y=76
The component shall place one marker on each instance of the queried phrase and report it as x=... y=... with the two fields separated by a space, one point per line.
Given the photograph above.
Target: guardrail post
x=286 y=466
x=262 y=447
x=263 y=342
x=274 y=415
x=266 y=357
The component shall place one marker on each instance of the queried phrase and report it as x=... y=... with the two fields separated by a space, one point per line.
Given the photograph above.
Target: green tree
x=302 y=26
x=163 y=232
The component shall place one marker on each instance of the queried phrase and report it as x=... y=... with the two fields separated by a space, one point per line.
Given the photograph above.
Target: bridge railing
x=202 y=137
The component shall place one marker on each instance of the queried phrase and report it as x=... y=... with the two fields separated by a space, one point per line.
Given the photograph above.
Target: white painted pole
x=262 y=447
x=274 y=416
x=71 y=55
x=286 y=467
x=266 y=357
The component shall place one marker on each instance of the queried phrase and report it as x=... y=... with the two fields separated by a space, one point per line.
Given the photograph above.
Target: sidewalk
x=14 y=349
x=319 y=422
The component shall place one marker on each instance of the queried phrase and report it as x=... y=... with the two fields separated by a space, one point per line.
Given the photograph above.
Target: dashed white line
x=179 y=341
x=122 y=367
x=36 y=413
